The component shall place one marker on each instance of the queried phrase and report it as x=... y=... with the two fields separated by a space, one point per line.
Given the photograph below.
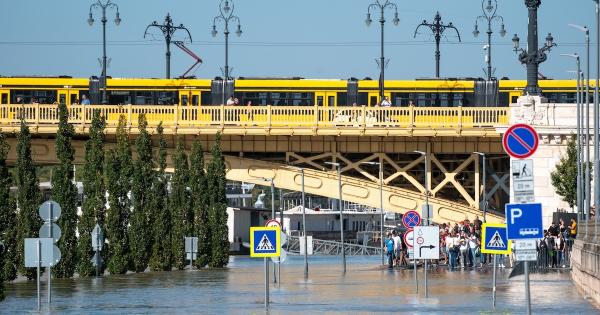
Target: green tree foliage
x=200 y=199
x=93 y=208
x=118 y=172
x=6 y=215
x=161 y=215
x=140 y=240
x=180 y=206
x=218 y=208
x=64 y=192
x=564 y=177
x=28 y=198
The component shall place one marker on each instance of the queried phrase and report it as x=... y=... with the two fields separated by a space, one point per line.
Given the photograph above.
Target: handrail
x=267 y=117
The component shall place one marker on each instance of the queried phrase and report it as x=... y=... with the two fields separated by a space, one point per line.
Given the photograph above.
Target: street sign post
x=411 y=219
x=97 y=243
x=522 y=181
x=191 y=249
x=50 y=212
x=520 y=141
x=265 y=242
x=524 y=221
x=494 y=240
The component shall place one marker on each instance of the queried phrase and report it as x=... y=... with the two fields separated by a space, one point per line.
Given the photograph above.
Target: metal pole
x=597 y=124
x=484 y=193
x=304 y=229
x=281 y=221
x=104 y=20
x=382 y=62
x=587 y=138
x=426 y=222
x=489 y=33
x=437 y=55
x=50 y=221
x=273 y=217
x=415 y=272
x=494 y=283
x=381 y=208
x=527 y=297
x=266 y=283
x=168 y=39
x=579 y=142
x=341 y=204
x=39 y=266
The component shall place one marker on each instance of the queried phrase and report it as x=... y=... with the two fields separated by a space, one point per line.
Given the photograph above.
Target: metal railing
x=325 y=247
x=259 y=117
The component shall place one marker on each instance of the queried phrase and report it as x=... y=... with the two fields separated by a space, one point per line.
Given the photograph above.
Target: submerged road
x=239 y=290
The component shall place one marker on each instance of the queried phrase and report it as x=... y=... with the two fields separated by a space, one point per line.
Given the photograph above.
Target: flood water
x=364 y=289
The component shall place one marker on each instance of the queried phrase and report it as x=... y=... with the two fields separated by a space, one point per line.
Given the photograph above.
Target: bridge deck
x=272 y=120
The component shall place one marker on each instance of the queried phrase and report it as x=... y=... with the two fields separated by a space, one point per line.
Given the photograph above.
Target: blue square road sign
x=524 y=221
x=265 y=241
x=494 y=239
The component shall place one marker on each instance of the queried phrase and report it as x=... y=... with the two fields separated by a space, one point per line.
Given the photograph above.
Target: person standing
x=397 y=247
x=389 y=245
x=452 y=246
x=85 y=100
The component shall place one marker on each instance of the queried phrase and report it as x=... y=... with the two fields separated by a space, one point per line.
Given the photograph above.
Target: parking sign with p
x=524 y=221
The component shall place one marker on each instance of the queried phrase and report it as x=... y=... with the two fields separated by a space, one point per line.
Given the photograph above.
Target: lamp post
x=438 y=28
x=586 y=120
x=489 y=15
x=579 y=184
x=597 y=123
x=381 y=5
x=380 y=164
x=426 y=221
x=103 y=5
x=483 y=203
x=341 y=206
x=168 y=29
x=533 y=57
x=226 y=15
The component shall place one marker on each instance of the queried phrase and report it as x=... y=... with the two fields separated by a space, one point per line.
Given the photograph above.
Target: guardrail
x=325 y=247
x=267 y=116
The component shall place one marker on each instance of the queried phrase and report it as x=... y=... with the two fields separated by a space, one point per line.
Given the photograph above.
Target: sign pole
x=416 y=276
x=50 y=264
x=494 y=283
x=39 y=256
x=266 y=283
x=527 y=298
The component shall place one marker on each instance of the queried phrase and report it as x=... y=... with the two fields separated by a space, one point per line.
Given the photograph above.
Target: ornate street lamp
x=489 y=15
x=438 y=28
x=103 y=5
x=533 y=57
x=168 y=29
x=226 y=16
x=381 y=5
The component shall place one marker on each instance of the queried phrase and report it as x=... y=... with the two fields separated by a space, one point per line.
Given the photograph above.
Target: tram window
x=301 y=99
x=320 y=100
x=503 y=99
x=62 y=98
x=184 y=100
x=4 y=98
x=363 y=98
x=279 y=99
x=166 y=98
x=457 y=99
x=514 y=99
x=401 y=99
x=206 y=98
x=342 y=99
x=73 y=98
x=444 y=100
x=373 y=100
x=195 y=100
x=257 y=99
x=330 y=100
x=120 y=97
x=31 y=96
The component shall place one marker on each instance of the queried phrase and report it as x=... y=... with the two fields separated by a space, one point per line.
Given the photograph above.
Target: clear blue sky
x=308 y=38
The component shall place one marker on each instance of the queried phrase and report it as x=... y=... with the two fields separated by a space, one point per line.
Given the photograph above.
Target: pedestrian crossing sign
x=265 y=241
x=494 y=239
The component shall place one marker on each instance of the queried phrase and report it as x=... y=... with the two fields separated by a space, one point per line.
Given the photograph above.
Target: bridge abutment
x=585 y=262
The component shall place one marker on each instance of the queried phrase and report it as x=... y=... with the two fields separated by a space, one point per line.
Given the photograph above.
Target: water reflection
x=239 y=290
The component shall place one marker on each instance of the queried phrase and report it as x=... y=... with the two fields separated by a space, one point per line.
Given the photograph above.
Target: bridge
x=264 y=142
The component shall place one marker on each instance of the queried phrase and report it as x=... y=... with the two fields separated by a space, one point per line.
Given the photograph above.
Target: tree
x=564 y=177
x=7 y=220
x=218 y=208
x=180 y=206
x=93 y=208
x=118 y=171
x=140 y=243
x=199 y=196
x=28 y=198
x=161 y=217
x=64 y=192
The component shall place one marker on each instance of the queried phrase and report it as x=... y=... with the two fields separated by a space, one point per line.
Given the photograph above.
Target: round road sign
x=411 y=219
x=49 y=207
x=273 y=223
x=45 y=231
x=520 y=141
x=408 y=238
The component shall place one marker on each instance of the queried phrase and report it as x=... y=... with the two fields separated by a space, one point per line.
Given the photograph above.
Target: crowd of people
x=460 y=246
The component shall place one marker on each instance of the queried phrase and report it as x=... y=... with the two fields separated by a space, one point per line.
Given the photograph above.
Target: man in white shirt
x=397 y=247
x=385 y=102
x=451 y=242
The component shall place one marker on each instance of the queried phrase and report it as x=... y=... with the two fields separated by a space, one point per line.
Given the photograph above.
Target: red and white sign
x=520 y=141
x=408 y=238
x=273 y=223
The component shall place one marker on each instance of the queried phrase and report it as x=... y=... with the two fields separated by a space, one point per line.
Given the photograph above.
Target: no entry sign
x=520 y=141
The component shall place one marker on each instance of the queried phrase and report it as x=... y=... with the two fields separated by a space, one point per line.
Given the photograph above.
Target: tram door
x=4 y=99
x=67 y=96
x=189 y=101
x=326 y=100
x=374 y=98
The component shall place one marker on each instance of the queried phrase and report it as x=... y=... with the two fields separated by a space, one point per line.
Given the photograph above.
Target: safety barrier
x=256 y=117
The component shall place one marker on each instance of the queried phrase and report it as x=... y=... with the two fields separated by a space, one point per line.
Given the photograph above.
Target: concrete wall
x=586 y=263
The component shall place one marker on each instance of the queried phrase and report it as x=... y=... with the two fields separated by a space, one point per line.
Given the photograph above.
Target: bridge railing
x=267 y=116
